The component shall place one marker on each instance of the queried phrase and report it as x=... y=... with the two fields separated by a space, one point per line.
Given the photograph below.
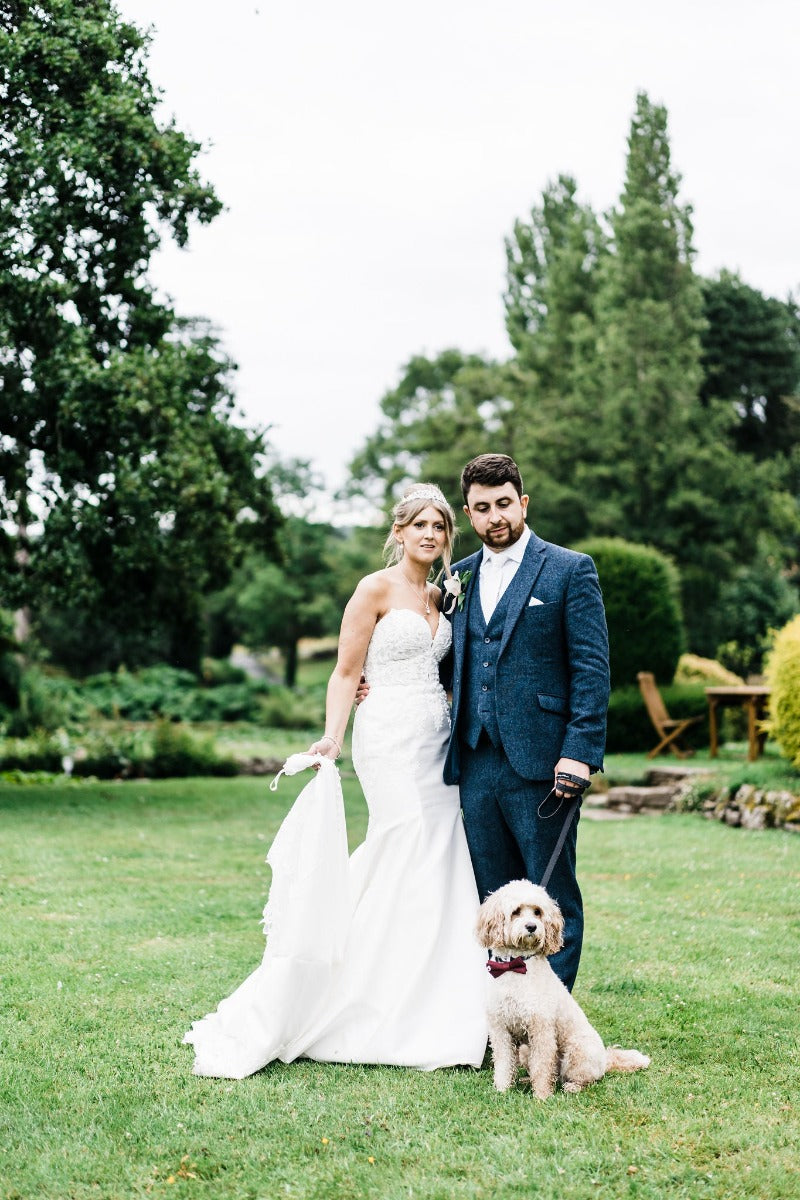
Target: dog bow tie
x=495 y=967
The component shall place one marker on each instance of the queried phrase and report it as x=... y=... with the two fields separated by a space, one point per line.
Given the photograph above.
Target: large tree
x=117 y=439
x=443 y=412
x=553 y=271
x=751 y=359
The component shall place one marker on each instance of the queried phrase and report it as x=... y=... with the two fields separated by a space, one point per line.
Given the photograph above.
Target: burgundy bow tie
x=495 y=967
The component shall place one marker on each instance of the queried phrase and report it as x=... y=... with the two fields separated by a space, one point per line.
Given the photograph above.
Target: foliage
x=143 y=902
x=783 y=678
x=116 y=420
x=117 y=752
x=751 y=359
x=41 y=751
x=630 y=728
x=439 y=416
x=757 y=599
x=178 y=753
x=10 y=671
x=164 y=691
x=641 y=593
x=277 y=605
x=694 y=669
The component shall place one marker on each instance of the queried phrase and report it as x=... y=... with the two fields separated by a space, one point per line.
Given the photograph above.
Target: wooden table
x=754 y=699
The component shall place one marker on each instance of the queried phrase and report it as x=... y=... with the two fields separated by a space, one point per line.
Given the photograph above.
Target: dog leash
x=577 y=786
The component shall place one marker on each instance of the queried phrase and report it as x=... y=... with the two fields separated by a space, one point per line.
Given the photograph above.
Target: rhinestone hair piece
x=431 y=492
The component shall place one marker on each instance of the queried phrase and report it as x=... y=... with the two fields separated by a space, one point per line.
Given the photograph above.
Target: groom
x=530 y=689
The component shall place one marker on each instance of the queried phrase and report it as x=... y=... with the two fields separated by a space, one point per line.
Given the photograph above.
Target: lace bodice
x=402 y=651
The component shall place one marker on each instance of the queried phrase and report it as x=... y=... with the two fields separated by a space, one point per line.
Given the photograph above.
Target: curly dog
x=533 y=1019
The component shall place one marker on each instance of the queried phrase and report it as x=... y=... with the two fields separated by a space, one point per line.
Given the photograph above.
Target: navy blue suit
x=529 y=688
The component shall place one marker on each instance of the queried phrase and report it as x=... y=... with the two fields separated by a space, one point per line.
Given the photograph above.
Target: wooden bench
x=667 y=728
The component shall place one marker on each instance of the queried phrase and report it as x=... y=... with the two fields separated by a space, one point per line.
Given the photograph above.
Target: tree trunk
x=290 y=671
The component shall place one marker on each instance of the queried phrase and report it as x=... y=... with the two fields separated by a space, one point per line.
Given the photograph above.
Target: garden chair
x=667 y=728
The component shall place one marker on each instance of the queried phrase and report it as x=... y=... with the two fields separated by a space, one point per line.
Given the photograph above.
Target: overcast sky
x=373 y=157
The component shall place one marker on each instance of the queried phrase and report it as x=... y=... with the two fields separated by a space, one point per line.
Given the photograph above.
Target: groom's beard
x=503 y=535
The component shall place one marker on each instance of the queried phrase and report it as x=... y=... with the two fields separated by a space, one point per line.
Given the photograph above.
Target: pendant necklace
x=422 y=596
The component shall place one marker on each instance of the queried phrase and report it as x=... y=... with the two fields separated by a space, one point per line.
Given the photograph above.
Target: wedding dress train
x=371 y=959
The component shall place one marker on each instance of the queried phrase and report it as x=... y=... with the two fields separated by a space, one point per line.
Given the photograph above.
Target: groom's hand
x=362 y=691
x=572 y=767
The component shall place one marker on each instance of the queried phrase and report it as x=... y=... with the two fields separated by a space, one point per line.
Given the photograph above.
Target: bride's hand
x=326 y=747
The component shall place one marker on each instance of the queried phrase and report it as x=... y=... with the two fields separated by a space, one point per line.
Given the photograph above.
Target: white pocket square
x=533 y=600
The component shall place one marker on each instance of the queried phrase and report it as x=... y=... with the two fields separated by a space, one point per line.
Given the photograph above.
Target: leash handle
x=562 y=837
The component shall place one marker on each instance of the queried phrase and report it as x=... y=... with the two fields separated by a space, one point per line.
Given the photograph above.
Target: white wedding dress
x=403 y=979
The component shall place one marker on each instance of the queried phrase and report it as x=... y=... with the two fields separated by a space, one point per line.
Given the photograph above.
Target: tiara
x=428 y=491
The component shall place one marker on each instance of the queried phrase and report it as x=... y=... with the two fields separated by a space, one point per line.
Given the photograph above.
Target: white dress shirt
x=498 y=568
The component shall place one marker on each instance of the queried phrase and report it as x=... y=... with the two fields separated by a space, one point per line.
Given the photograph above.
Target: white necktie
x=493 y=593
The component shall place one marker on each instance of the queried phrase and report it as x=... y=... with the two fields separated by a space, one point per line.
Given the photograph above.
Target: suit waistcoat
x=481 y=651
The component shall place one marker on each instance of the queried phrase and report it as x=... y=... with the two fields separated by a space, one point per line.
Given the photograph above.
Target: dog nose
x=531 y=928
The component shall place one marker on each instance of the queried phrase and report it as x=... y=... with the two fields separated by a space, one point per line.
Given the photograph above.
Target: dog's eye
x=537 y=912
x=516 y=911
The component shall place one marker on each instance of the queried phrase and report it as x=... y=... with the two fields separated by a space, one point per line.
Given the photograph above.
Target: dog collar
x=499 y=966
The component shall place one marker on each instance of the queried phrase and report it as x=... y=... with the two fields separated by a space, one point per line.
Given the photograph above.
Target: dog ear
x=490 y=927
x=554 y=928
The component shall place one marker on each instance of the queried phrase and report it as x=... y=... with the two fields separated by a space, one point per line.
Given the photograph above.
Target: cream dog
x=532 y=1017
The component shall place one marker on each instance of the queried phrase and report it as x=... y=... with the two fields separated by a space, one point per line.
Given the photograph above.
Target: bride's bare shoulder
x=374 y=589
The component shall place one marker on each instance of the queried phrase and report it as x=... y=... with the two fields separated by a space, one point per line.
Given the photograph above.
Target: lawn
x=129 y=909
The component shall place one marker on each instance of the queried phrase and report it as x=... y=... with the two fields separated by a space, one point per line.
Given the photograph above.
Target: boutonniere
x=456 y=587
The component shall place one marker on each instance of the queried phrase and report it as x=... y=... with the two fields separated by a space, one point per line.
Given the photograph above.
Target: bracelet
x=327 y=738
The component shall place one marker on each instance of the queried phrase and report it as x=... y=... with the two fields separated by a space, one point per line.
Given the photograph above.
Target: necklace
x=422 y=596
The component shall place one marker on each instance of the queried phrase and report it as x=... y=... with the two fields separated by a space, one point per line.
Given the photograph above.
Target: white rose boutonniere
x=456 y=587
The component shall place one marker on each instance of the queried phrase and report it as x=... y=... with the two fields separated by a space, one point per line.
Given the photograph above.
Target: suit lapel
x=521 y=585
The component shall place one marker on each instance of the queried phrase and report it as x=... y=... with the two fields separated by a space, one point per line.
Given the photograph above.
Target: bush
x=164 y=691
x=694 y=669
x=641 y=591
x=46 y=702
x=783 y=678
x=284 y=709
x=40 y=752
x=177 y=753
x=630 y=730
x=112 y=754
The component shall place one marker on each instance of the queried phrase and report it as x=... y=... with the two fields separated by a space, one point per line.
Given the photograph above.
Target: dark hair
x=492 y=470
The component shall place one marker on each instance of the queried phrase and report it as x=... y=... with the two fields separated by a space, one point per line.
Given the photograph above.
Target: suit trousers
x=512 y=831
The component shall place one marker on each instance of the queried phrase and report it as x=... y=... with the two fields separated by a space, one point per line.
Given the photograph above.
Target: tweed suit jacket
x=552 y=677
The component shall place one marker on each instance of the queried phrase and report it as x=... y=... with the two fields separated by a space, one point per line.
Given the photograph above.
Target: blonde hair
x=415 y=500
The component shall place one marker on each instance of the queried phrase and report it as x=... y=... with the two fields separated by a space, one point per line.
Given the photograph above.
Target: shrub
x=783 y=677
x=177 y=753
x=284 y=709
x=694 y=669
x=40 y=752
x=218 y=671
x=641 y=591
x=630 y=730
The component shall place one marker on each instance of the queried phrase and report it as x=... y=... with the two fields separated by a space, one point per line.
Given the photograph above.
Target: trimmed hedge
x=783 y=677
x=630 y=730
x=641 y=592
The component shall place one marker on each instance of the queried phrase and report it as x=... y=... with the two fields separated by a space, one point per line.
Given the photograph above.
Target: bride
x=409 y=990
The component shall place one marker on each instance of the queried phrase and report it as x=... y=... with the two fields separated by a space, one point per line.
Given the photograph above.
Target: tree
x=751 y=360
x=442 y=413
x=119 y=571
x=648 y=323
x=116 y=424
x=277 y=605
x=553 y=273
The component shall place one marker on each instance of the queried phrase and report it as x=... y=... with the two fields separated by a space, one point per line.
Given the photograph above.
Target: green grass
x=130 y=909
